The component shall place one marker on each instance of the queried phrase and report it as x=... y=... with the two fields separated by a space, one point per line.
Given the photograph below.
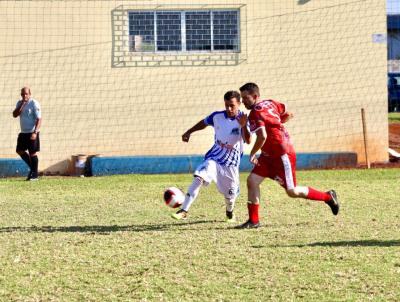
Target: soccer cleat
x=333 y=203
x=230 y=217
x=180 y=215
x=248 y=225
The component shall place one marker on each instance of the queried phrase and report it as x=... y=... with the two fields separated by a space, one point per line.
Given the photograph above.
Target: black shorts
x=24 y=143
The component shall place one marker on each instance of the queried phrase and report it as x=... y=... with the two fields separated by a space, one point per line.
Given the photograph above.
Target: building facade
x=129 y=77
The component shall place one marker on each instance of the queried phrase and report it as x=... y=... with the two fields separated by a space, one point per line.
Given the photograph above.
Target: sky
x=393 y=6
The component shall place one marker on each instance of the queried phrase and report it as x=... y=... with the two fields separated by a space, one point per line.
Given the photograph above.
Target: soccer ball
x=173 y=197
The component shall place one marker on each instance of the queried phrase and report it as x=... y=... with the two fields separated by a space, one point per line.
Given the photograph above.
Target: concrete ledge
x=187 y=164
x=13 y=167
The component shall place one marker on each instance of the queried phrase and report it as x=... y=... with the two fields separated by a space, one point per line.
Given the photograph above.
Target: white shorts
x=226 y=178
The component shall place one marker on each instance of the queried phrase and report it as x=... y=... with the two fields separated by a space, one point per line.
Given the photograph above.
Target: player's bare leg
x=330 y=198
x=191 y=195
x=253 y=203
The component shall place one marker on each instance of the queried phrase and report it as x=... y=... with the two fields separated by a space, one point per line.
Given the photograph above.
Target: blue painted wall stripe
x=187 y=164
x=13 y=167
x=180 y=164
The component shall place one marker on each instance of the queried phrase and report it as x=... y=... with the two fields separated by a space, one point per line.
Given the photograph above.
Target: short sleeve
x=256 y=121
x=209 y=120
x=281 y=108
x=38 y=111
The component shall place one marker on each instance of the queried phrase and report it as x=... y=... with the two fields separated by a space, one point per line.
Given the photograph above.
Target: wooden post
x=365 y=137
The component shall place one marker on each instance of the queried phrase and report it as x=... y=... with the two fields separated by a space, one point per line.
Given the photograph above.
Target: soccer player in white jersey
x=221 y=162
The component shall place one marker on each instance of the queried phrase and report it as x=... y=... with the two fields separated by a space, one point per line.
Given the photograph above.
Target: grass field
x=111 y=239
x=394 y=117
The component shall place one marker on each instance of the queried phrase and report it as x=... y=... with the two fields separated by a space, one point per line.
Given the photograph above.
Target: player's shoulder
x=218 y=115
x=265 y=105
x=35 y=102
x=214 y=116
x=221 y=112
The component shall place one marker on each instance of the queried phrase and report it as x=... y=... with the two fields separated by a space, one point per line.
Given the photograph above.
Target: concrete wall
x=317 y=56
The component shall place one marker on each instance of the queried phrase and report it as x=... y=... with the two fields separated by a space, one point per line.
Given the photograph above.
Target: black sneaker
x=34 y=177
x=333 y=203
x=248 y=225
x=29 y=176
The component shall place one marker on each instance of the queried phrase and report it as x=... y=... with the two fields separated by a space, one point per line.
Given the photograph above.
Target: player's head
x=232 y=103
x=250 y=94
x=25 y=93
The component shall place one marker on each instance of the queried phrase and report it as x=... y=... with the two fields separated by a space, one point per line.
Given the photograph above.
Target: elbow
x=263 y=138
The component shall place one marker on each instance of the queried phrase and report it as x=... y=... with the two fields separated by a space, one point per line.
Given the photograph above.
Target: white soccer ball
x=173 y=197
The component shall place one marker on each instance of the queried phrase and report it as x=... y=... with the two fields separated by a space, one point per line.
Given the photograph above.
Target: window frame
x=183 y=31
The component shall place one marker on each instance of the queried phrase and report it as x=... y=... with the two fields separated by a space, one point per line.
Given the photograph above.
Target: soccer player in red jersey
x=278 y=158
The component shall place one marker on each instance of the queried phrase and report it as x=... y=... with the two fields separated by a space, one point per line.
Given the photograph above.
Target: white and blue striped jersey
x=228 y=142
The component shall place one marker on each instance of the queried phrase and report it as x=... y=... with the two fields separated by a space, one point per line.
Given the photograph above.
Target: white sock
x=192 y=193
x=230 y=204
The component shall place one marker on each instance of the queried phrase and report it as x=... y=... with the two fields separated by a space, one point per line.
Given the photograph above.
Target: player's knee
x=250 y=183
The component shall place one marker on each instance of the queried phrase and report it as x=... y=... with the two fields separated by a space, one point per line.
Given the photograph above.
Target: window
x=184 y=31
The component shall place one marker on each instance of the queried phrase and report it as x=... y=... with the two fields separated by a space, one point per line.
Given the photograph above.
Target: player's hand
x=286 y=117
x=242 y=120
x=23 y=104
x=33 y=136
x=186 y=137
x=253 y=159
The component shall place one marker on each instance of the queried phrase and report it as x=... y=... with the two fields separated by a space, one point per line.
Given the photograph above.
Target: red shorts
x=282 y=169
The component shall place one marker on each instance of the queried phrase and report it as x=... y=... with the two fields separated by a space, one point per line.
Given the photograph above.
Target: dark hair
x=251 y=88
x=232 y=94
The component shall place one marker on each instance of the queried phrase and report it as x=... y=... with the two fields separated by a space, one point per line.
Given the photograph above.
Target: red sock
x=253 y=212
x=318 y=195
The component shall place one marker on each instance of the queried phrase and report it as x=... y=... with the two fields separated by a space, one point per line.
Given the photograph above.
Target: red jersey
x=268 y=114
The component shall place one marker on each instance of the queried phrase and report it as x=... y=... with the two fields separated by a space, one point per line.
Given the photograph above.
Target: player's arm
x=246 y=135
x=17 y=111
x=199 y=126
x=38 y=123
x=283 y=113
x=261 y=137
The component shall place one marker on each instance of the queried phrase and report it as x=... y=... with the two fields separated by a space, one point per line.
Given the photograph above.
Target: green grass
x=111 y=239
x=394 y=117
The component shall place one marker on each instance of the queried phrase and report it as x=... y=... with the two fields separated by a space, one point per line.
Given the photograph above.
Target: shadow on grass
x=351 y=243
x=102 y=229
